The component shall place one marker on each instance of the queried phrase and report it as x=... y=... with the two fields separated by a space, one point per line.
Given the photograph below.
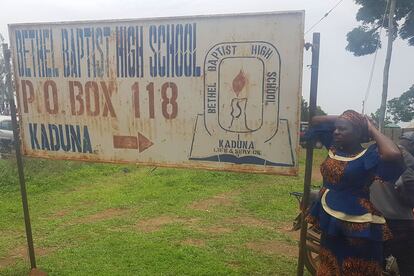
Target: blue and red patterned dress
x=352 y=229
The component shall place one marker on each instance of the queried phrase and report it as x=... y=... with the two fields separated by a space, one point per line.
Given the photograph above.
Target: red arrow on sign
x=139 y=142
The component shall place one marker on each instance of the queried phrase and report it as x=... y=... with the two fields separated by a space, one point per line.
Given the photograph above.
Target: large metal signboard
x=216 y=92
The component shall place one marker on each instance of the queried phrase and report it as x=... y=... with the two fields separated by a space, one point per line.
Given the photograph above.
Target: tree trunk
x=387 y=65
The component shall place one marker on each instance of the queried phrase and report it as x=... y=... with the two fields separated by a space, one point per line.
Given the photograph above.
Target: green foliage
x=362 y=39
x=375 y=117
x=2 y=76
x=3 y=97
x=371 y=11
x=304 y=115
x=399 y=109
x=402 y=108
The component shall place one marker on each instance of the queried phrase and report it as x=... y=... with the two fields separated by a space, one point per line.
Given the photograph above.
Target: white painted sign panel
x=216 y=92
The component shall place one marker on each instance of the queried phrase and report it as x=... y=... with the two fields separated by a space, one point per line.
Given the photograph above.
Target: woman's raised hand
x=372 y=126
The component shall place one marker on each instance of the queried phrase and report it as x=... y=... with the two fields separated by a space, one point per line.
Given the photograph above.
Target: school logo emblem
x=241 y=119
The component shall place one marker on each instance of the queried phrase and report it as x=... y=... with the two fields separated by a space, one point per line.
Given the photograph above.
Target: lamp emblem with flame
x=238 y=104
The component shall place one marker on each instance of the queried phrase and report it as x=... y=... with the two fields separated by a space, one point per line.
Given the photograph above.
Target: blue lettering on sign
x=129 y=51
x=33 y=136
x=90 y=45
x=37 y=44
x=179 y=46
x=45 y=141
x=153 y=59
x=65 y=146
x=60 y=138
x=188 y=47
x=54 y=137
x=161 y=39
x=173 y=50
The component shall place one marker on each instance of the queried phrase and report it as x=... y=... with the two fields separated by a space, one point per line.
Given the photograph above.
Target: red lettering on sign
x=78 y=98
x=91 y=87
x=27 y=98
x=46 y=92
x=150 y=89
x=136 y=101
x=169 y=101
x=93 y=100
x=107 y=92
x=135 y=96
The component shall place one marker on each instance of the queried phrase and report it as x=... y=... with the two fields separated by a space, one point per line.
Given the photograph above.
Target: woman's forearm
x=316 y=120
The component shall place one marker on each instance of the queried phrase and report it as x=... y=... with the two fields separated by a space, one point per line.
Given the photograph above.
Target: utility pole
x=383 y=106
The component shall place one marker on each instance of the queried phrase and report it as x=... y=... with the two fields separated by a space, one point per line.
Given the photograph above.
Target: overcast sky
x=343 y=78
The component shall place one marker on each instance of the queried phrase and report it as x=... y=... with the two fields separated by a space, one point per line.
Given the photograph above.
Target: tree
x=304 y=115
x=3 y=97
x=4 y=102
x=363 y=40
x=402 y=108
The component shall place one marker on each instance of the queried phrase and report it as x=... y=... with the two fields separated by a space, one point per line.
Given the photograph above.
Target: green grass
x=103 y=219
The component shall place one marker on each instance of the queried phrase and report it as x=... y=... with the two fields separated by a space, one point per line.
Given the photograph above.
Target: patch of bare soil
x=194 y=242
x=229 y=225
x=68 y=211
x=37 y=272
x=250 y=221
x=154 y=224
x=15 y=233
x=273 y=247
x=21 y=253
x=225 y=199
x=234 y=264
x=104 y=215
x=217 y=230
x=60 y=213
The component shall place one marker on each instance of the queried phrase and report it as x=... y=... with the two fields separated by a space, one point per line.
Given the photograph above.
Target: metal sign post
x=19 y=159
x=309 y=150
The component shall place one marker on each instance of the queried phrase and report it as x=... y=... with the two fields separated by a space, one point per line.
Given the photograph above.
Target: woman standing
x=352 y=229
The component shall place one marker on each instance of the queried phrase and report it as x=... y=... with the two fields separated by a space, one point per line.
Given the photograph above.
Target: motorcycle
x=313 y=238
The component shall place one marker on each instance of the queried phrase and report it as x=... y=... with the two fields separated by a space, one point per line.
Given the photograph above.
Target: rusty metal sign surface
x=216 y=92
